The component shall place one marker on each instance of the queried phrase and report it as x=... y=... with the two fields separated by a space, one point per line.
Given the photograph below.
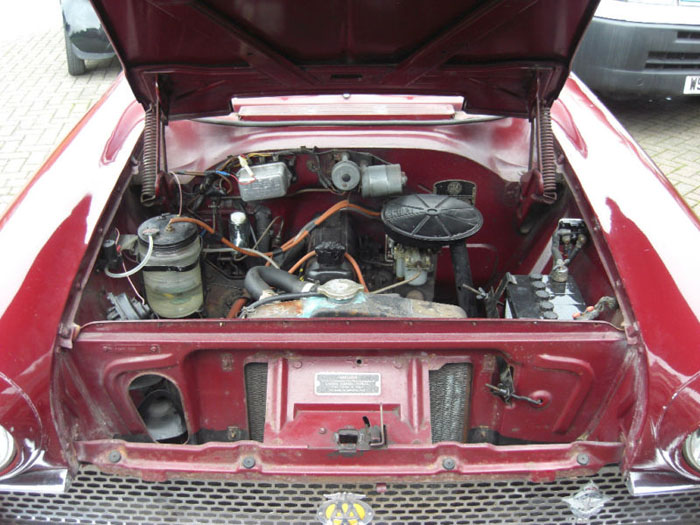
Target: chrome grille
x=100 y=498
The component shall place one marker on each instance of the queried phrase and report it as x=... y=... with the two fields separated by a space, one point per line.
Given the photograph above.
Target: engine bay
x=309 y=232
x=344 y=298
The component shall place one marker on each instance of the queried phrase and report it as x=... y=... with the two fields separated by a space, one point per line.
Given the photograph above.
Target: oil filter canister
x=172 y=276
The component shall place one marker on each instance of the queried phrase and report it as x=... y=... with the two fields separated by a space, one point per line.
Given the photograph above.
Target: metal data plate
x=347 y=384
x=460 y=189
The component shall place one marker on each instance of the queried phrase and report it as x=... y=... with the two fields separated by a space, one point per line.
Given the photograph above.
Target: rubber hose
x=149 y=171
x=549 y=170
x=463 y=275
x=135 y=269
x=282 y=297
x=262 y=278
x=263 y=217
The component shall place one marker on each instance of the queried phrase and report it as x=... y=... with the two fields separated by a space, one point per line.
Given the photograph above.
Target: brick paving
x=40 y=103
x=669 y=131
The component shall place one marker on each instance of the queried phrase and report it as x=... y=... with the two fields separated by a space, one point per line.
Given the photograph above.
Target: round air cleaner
x=429 y=220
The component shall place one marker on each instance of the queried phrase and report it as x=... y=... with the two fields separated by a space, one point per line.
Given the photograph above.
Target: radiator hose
x=261 y=279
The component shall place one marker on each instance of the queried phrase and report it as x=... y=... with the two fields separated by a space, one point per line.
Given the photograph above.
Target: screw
x=248 y=462
x=296 y=364
x=322 y=430
x=583 y=459
x=449 y=463
x=114 y=456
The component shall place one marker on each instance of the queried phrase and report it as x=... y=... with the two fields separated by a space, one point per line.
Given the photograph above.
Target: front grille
x=256 y=398
x=99 y=498
x=688 y=35
x=672 y=60
x=449 y=391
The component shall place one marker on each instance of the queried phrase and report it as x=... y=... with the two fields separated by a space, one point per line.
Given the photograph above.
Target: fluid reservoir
x=172 y=277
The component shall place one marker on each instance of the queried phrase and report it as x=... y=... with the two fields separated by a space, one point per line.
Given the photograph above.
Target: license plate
x=692 y=85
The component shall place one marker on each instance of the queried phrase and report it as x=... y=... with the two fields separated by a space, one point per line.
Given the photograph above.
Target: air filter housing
x=430 y=220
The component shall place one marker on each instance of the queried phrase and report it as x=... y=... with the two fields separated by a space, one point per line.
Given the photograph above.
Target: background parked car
x=645 y=47
x=85 y=39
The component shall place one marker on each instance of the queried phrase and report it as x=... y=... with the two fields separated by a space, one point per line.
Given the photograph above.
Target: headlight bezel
x=691 y=450
x=8 y=449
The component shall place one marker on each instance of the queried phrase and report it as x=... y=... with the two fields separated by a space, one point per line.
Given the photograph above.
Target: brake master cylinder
x=172 y=277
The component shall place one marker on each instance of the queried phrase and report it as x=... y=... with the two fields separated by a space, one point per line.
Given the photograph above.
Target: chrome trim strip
x=641 y=483
x=45 y=481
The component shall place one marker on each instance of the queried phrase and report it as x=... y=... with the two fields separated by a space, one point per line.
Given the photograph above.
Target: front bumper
x=102 y=498
x=641 y=58
x=91 y=44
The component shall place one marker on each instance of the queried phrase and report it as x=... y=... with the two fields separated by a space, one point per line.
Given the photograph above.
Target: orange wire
x=358 y=272
x=350 y=258
x=301 y=261
x=330 y=211
x=211 y=230
x=292 y=242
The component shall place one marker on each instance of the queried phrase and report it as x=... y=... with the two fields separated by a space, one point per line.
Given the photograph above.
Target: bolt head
x=449 y=463
x=248 y=462
x=583 y=459
x=114 y=456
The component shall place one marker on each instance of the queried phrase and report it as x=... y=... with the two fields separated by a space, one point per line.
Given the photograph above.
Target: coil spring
x=149 y=171
x=549 y=177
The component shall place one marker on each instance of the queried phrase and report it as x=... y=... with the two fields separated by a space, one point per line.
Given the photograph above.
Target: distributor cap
x=430 y=220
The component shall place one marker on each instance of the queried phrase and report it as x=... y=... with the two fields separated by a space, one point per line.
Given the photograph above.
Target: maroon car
x=349 y=263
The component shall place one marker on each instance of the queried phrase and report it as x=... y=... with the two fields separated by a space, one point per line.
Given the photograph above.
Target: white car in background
x=644 y=47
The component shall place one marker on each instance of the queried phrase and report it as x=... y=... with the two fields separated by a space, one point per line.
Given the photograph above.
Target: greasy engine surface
x=334 y=233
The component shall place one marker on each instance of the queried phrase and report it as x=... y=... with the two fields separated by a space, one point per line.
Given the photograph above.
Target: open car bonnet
x=195 y=55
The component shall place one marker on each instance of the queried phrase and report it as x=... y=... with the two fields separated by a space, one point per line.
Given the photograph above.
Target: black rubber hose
x=263 y=217
x=261 y=278
x=281 y=297
x=149 y=172
x=463 y=276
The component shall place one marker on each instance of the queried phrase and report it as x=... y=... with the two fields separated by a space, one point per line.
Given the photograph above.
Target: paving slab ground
x=40 y=103
x=669 y=131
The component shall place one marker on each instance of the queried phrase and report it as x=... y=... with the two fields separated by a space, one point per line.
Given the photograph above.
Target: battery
x=537 y=296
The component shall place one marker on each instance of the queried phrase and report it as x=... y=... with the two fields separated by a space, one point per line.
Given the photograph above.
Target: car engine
x=309 y=233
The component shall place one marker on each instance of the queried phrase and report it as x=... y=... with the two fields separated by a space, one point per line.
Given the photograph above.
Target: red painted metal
x=338 y=107
x=601 y=386
x=653 y=239
x=47 y=229
x=217 y=50
x=566 y=362
x=223 y=460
